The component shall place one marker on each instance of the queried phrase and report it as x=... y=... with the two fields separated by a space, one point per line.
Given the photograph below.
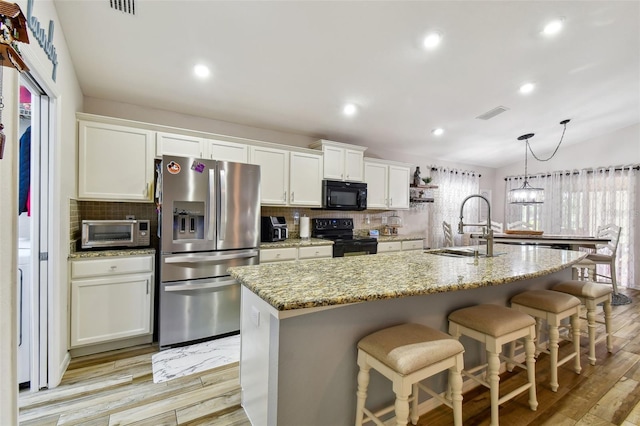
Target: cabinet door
x=333 y=163
x=105 y=309
x=114 y=162
x=227 y=151
x=181 y=145
x=389 y=247
x=399 y=187
x=353 y=167
x=305 y=179
x=274 y=172
x=375 y=175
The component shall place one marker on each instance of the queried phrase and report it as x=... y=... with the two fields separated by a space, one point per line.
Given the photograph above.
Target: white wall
x=617 y=148
x=68 y=100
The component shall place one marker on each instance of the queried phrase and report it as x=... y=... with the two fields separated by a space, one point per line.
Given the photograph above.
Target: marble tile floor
x=182 y=361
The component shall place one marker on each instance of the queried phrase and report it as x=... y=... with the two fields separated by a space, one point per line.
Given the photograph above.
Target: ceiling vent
x=126 y=6
x=492 y=113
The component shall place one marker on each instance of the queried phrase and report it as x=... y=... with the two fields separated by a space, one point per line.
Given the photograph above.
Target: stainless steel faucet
x=487 y=232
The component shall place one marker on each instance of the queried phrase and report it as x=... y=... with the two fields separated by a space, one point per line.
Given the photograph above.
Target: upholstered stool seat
x=591 y=295
x=552 y=307
x=494 y=326
x=407 y=354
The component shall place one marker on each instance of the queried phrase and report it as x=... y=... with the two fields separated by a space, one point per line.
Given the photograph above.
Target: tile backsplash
x=415 y=221
x=105 y=210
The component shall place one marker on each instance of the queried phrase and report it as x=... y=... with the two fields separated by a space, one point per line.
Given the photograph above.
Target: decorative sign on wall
x=13 y=29
x=45 y=39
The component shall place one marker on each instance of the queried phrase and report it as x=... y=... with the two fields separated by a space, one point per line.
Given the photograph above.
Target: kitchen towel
x=304 y=227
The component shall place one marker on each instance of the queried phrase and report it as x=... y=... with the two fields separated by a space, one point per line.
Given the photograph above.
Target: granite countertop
x=296 y=242
x=111 y=253
x=343 y=280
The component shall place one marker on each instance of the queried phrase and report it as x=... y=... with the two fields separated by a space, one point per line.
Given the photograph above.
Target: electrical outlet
x=255 y=316
x=130 y=217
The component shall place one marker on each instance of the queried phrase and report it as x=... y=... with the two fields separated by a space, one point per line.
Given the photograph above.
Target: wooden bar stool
x=494 y=326
x=591 y=295
x=407 y=354
x=553 y=307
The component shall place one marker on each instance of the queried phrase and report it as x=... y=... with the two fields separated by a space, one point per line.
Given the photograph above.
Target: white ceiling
x=291 y=65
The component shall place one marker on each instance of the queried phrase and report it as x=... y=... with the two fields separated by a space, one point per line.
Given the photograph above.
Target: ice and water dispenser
x=188 y=220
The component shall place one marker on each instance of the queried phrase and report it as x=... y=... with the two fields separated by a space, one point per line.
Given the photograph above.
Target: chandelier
x=527 y=194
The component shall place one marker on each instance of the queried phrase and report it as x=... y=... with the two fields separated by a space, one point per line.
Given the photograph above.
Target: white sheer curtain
x=578 y=201
x=453 y=187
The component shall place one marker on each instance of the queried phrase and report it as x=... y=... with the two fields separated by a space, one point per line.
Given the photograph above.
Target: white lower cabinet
x=412 y=245
x=389 y=246
x=278 y=254
x=111 y=299
x=295 y=253
x=315 y=252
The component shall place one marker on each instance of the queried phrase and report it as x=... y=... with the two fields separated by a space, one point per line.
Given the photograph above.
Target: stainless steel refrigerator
x=210 y=222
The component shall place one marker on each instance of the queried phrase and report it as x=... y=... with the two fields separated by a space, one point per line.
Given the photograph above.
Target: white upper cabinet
x=305 y=179
x=226 y=151
x=399 y=178
x=376 y=175
x=194 y=146
x=387 y=184
x=341 y=161
x=115 y=163
x=180 y=145
x=288 y=178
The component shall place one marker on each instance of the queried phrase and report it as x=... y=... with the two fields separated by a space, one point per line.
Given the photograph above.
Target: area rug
x=179 y=362
x=620 y=299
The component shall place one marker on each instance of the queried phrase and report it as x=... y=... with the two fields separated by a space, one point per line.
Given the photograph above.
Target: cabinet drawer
x=412 y=245
x=111 y=266
x=276 y=255
x=315 y=252
x=389 y=246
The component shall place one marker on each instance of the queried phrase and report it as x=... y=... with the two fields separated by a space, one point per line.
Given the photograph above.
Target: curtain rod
x=434 y=169
x=575 y=172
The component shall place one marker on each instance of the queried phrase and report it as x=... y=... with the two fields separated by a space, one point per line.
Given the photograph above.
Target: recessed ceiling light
x=438 y=131
x=527 y=88
x=349 y=109
x=431 y=40
x=553 y=27
x=201 y=71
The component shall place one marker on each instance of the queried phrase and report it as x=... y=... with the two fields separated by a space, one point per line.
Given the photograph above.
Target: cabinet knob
x=292 y=196
x=113 y=267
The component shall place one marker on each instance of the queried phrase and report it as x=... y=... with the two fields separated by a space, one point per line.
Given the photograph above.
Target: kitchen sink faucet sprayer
x=487 y=232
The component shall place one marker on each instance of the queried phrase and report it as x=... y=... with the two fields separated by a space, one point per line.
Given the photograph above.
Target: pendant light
x=526 y=194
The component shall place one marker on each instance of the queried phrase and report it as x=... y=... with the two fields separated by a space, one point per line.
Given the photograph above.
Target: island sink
x=459 y=252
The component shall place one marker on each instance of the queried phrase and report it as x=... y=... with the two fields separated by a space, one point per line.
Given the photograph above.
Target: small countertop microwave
x=338 y=195
x=115 y=233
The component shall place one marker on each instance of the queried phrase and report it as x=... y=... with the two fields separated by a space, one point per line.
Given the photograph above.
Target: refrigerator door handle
x=222 y=224
x=212 y=206
x=200 y=287
x=204 y=258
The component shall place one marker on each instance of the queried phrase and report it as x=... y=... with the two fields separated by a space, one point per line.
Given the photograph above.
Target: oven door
x=354 y=248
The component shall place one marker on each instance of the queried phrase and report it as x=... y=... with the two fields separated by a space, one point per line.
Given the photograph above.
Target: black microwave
x=338 y=195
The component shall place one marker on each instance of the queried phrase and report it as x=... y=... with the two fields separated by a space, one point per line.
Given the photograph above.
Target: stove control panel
x=332 y=224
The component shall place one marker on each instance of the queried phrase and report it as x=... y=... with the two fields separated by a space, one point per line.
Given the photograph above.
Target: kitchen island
x=301 y=321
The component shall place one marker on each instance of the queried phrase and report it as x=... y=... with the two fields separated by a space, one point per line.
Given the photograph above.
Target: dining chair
x=605 y=254
x=448 y=234
x=519 y=225
x=496 y=226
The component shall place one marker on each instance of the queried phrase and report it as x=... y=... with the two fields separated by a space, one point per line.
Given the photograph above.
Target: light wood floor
x=117 y=388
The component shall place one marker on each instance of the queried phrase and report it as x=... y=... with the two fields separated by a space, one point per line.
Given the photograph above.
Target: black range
x=340 y=231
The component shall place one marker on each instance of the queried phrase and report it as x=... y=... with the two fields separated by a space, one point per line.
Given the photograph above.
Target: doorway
x=33 y=234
